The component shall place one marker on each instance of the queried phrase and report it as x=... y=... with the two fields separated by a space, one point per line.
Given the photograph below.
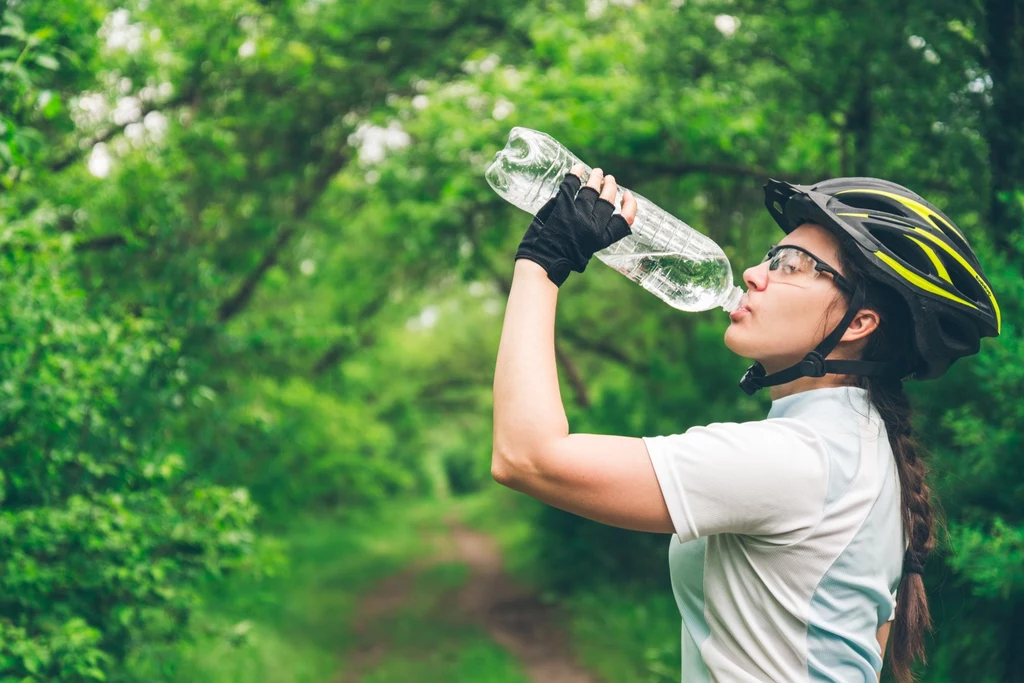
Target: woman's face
x=783 y=316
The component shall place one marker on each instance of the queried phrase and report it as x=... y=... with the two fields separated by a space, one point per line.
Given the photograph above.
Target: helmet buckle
x=813 y=365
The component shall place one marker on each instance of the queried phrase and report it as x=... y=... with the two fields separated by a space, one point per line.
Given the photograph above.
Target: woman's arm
x=609 y=479
x=883 y=638
x=528 y=410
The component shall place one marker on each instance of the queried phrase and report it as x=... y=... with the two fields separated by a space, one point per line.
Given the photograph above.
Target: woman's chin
x=735 y=341
x=742 y=345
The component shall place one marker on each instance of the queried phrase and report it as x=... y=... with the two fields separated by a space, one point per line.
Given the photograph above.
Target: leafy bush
x=102 y=531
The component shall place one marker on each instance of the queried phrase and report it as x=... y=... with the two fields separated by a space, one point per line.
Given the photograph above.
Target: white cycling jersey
x=789 y=544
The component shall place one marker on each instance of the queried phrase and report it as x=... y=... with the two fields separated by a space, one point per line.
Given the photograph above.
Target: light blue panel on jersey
x=687 y=562
x=842 y=622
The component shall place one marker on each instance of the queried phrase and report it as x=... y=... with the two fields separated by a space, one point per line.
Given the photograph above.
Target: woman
x=799 y=539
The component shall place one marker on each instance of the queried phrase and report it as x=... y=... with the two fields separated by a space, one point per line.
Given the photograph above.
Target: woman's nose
x=756 y=277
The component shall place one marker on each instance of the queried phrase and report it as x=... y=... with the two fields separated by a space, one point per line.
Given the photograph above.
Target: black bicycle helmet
x=903 y=242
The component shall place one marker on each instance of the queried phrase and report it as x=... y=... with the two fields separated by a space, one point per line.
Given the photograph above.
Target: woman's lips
x=739 y=313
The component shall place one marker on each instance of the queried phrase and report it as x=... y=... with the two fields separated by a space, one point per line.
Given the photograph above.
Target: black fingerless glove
x=570 y=228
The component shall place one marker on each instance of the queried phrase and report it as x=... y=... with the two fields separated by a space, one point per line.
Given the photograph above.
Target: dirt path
x=386 y=598
x=513 y=616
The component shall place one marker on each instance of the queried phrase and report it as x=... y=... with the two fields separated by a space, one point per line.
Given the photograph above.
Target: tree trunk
x=1004 y=132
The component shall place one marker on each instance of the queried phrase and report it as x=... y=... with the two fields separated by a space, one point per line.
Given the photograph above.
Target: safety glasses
x=796 y=265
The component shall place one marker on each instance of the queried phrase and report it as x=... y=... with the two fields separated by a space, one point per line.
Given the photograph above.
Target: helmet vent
x=906 y=250
x=966 y=284
x=873 y=202
x=955 y=238
x=958 y=332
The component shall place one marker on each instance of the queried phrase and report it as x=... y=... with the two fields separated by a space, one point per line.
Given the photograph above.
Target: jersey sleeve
x=766 y=478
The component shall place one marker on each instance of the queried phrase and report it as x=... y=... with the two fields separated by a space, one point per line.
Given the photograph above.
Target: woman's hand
x=576 y=223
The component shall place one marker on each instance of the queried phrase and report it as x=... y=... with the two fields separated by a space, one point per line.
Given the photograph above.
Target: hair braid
x=893 y=342
x=913 y=618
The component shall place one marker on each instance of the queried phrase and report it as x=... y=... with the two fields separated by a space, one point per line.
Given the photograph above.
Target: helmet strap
x=814 y=363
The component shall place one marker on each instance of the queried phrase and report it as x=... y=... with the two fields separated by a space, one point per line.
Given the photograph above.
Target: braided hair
x=892 y=342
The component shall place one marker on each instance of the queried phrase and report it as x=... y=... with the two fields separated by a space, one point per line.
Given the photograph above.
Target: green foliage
x=103 y=532
x=991 y=557
x=299 y=448
x=455 y=658
x=68 y=651
x=102 y=535
x=215 y=284
x=45 y=52
x=628 y=635
x=91 y=579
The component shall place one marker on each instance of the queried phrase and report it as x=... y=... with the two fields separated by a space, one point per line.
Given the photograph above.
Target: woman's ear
x=864 y=323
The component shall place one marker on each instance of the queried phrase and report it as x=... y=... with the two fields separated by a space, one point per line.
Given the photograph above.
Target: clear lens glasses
x=791 y=265
x=798 y=266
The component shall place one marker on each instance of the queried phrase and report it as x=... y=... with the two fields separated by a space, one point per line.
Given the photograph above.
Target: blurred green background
x=252 y=283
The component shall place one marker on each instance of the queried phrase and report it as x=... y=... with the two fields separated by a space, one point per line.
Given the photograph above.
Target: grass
x=295 y=626
x=468 y=660
x=629 y=636
x=258 y=652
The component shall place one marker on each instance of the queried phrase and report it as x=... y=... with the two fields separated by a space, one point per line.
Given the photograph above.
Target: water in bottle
x=664 y=255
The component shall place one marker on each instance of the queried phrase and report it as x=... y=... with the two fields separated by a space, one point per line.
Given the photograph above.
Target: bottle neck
x=732 y=299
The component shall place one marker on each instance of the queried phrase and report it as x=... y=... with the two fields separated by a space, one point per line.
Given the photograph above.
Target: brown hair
x=893 y=342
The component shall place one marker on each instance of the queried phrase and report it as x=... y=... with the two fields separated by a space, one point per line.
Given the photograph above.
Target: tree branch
x=101 y=243
x=338 y=349
x=603 y=349
x=575 y=380
x=595 y=346
x=825 y=101
x=240 y=299
x=441 y=34
x=86 y=144
x=436 y=390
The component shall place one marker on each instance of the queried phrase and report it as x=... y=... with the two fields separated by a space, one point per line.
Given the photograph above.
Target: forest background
x=252 y=281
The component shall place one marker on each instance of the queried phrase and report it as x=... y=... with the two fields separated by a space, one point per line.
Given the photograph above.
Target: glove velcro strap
x=557 y=270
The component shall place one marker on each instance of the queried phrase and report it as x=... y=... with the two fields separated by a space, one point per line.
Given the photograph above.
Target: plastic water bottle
x=664 y=255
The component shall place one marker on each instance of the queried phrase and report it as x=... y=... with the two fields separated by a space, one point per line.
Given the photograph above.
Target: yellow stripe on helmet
x=980 y=280
x=915 y=279
x=934 y=258
x=928 y=251
x=945 y=247
x=915 y=206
